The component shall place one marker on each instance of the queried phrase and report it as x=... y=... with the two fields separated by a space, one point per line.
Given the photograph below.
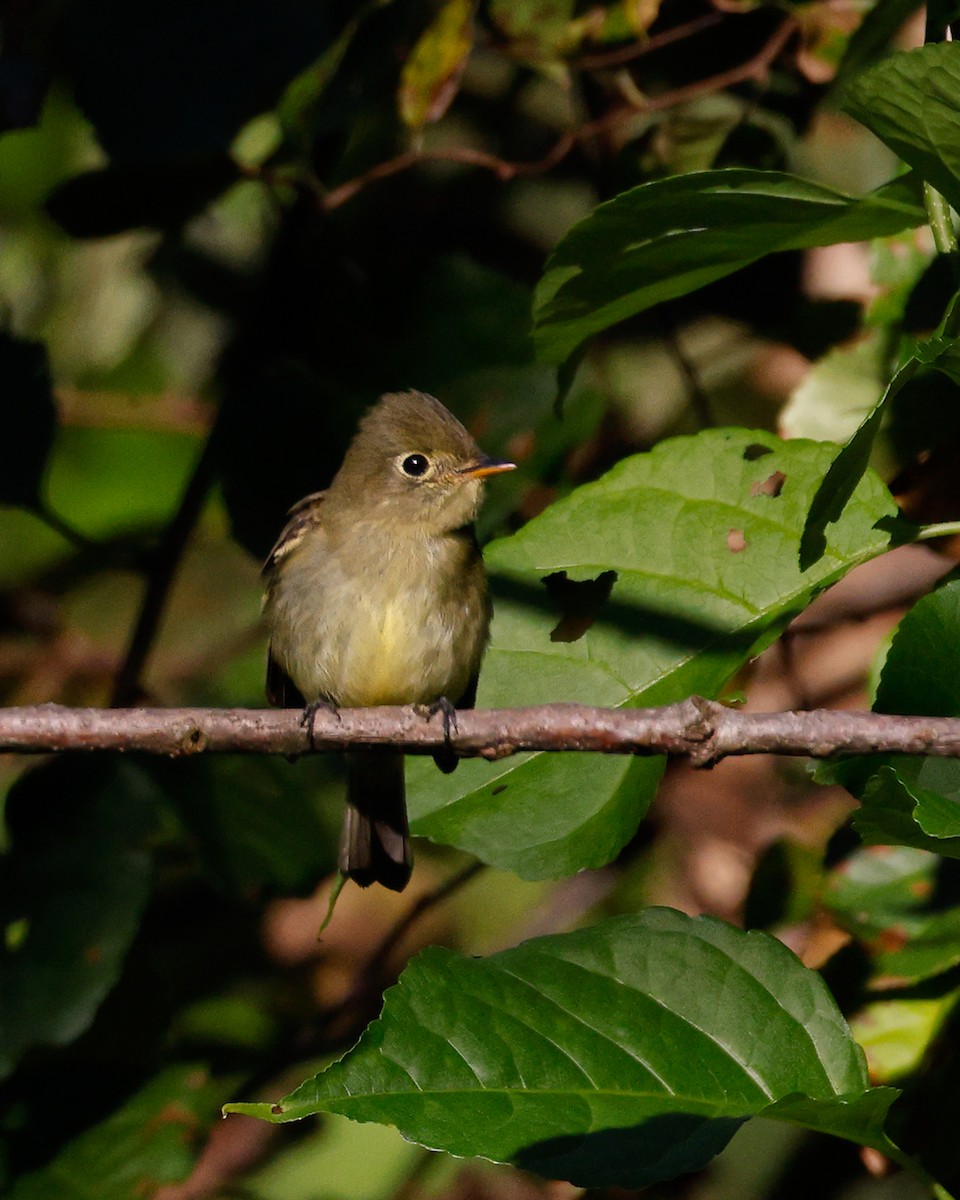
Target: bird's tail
x=374 y=847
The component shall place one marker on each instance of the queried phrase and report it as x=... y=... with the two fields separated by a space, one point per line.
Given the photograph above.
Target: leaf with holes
x=655 y=582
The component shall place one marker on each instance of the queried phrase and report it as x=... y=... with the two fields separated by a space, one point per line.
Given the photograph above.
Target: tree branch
x=700 y=730
x=755 y=68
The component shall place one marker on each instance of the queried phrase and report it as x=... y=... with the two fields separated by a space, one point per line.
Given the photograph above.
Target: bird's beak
x=486 y=466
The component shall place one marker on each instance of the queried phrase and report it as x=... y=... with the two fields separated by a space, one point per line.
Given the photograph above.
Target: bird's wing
x=282 y=692
x=304 y=515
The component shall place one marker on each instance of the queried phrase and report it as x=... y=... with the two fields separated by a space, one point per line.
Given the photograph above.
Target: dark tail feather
x=374 y=846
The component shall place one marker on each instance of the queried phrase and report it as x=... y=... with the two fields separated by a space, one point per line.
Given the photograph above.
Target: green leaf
x=895 y=1034
x=884 y=20
x=29 y=418
x=431 y=75
x=834 y=395
x=921 y=672
x=634 y=590
x=74 y=883
x=884 y=894
x=931 y=946
x=682 y=1029
x=937 y=353
x=911 y=800
x=870 y=887
x=845 y=472
x=665 y=239
x=896 y=810
x=911 y=101
x=539 y=25
x=153 y=1140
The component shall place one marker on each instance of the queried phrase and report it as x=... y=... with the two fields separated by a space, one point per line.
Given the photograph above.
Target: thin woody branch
x=697 y=729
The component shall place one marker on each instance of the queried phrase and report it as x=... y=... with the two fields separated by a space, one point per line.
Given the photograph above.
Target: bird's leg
x=445 y=758
x=322 y=704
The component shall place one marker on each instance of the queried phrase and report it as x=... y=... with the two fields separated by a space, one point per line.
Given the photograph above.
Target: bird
x=376 y=594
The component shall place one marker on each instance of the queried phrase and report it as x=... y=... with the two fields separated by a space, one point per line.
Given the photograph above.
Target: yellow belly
x=337 y=638
x=380 y=664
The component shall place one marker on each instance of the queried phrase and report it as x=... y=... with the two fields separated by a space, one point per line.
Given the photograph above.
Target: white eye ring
x=414 y=466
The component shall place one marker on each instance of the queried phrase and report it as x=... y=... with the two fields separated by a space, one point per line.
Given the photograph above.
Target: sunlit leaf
x=431 y=75
x=895 y=1034
x=628 y=592
x=682 y=1029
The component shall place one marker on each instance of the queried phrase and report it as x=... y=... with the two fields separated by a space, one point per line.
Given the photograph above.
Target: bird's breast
x=385 y=624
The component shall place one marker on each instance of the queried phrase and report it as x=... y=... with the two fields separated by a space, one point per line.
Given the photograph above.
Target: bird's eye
x=415 y=465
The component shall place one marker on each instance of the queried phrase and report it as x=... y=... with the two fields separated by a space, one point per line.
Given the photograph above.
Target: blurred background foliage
x=225 y=228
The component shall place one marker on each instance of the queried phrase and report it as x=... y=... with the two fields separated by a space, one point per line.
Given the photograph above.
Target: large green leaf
x=72 y=888
x=911 y=101
x=154 y=1139
x=657 y=581
x=664 y=239
x=682 y=1028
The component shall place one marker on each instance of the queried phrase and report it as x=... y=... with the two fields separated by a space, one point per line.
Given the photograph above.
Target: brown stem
x=754 y=68
x=371 y=979
x=699 y=730
x=616 y=58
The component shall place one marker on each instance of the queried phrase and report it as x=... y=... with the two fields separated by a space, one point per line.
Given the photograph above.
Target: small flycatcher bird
x=376 y=594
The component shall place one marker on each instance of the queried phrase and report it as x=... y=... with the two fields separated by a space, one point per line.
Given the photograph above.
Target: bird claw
x=446 y=759
x=309 y=716
x=441 y=705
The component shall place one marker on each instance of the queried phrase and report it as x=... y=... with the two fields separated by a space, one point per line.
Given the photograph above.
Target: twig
x=753 y=68
x=421 y=905
x=697 y=729
x=370 y=979
x=60 y=525
x=505 y=170
x=339 y=1024
x=467 y=155
x=616 y=58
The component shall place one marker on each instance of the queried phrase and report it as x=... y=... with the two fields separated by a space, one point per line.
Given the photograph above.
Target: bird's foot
x=446 y=757
x=310 y=715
